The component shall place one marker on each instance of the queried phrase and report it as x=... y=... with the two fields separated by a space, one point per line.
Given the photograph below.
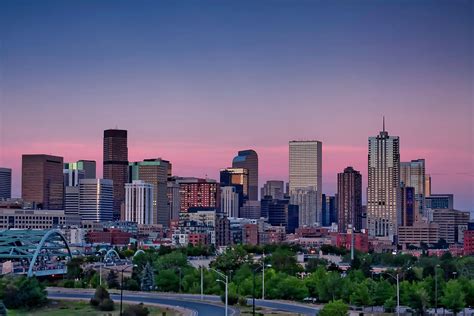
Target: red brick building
x=250 y=234
x=196 y=239
x=111 y=237
x=361 y=241
x=468 y=242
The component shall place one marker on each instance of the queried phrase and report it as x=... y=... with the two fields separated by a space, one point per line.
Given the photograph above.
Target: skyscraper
x=248 y=159
x=329 y=209
x=116 y=165
x=42 y=181
x=236 y=177
x=408 y=205
x=195 y=192
x=383 y=191
x=412 y=174
x=229 y=201
x=74 y=171
x=349 y=193
x=5 y=183
x=139 y=202
x=427 y=185
x=273 y=188
x=155 y=172
x=306 y=176
x=96 y=200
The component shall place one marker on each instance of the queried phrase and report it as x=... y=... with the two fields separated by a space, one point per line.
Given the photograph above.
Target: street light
x=398 y=290
x=121 y=286
x=226 y=283
x=436 y=289
x=253 y=292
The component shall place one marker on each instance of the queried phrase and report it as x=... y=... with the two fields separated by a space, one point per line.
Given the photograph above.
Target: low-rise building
x=420 y=232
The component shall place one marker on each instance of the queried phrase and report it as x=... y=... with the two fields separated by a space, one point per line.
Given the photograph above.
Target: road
x=208 y=307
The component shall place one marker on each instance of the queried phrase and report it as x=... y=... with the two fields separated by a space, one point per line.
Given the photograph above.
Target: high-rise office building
x=154 y=172
x=174 y=204
x=282 y=213
x=250 y=209
x=74 y=171
x=139 y=202
x=383 y=191
x=349 y=193
x=427 y=185
x=329 y=209
x=5 y=183
x=42 y=181
x=116 y=165
x=412 y=174
x=96 y=200
x=71 y=200
x=273 y=188
x=306 y=176
x=248 y=159
x=238 y=177
x=195 y=192
x=229 y=201
x=408 y=205
x=307 y=201
x=440 y=201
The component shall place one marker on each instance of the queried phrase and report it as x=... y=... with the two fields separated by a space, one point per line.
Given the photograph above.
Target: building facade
x=31 y=219
x=418 y=233
x=248 y=159
x=74 y=171
x=96 y=200
x=408 y=204
x=273 y=188
x=229 y=201
x=412 y=174
x=440 y=201
x=139 y=202
x=238 y=177
x=195 y=192
x=329 y=209
x=116 y=165
x=383 y=191
x=305 y=166
x=449 y=221
x=154 y=172
x=251 y=209
x=42 y=181
x=5 y=183
x=349 y=192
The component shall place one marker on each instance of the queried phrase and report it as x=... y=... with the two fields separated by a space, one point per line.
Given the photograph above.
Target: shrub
x=106 y=305
x=242 y=301
x=232 y=298
x=136 y=310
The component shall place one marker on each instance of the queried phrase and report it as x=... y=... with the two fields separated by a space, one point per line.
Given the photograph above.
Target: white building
x=383 y=191
x=229 y=201
x=139 y=202
x=96 y=199
x=306 y=180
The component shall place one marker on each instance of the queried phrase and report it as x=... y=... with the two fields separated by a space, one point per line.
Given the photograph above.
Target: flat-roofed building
x=417 y=233
x=449 y=222
x=34 y=219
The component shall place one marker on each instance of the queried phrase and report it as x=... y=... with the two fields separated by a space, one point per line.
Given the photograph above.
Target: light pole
x=396 y=277
x=253 y=291
x=226 y=282
x=202 y=283
x=436 y=289
x=121 y=287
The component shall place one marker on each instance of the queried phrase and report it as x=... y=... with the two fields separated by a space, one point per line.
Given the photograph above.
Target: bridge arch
x=139 y=251
x=111 y=253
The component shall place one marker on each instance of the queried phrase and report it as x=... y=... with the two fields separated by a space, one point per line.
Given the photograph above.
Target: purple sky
x=194 y=82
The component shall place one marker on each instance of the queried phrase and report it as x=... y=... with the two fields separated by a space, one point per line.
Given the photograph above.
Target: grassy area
x=81 y=308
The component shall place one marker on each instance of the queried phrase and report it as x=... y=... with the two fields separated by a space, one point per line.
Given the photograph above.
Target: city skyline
x=176 y=76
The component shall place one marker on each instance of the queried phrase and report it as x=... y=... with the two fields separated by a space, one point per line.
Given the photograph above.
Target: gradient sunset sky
x=196 y=81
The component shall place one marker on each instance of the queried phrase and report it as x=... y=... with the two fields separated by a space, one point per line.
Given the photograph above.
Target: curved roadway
x=211 y=306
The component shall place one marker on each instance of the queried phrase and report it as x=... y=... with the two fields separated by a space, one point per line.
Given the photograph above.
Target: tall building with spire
x=383 y=191
x=248 y=159
x=116 y=165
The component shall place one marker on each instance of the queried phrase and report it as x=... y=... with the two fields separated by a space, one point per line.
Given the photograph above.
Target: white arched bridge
x=33 y=252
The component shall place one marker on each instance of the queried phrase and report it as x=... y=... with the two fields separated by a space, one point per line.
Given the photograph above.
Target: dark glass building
x=42 y=181
x=116 y=165
x=408 y=205
x=248 y=159
x=282 y=213
x=329 y=210
x=5 y=183
x=349 y=204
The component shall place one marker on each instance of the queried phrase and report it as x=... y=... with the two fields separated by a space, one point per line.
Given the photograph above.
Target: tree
x=453 y=296
x=24 y=292
x=74 y=268
x=383 y=291
x=334 y=308
x=361 y=295
x=3 y=309
x=102 y=300
x=112 y=280
x=390 y=305
x=167 y=280
x=147 y=278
